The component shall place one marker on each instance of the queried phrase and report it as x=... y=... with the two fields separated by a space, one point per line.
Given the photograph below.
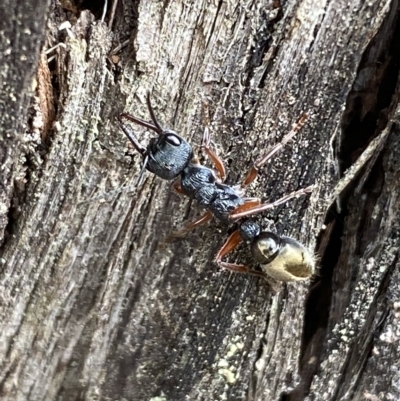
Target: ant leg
x=252 y=175
x=199 y=222
x=231 y=243
x=177 y=187
x=219 y=164
x=265 y=206
x=249 y=204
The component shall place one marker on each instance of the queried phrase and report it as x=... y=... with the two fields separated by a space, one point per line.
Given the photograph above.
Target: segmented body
x=202 y=184
x=170 y=156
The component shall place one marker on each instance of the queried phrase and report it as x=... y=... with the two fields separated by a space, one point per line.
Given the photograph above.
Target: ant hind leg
x=199 y=222
x=231 y=243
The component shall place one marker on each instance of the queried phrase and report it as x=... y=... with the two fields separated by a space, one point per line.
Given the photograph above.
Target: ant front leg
x=231 y=243
x=252 y=175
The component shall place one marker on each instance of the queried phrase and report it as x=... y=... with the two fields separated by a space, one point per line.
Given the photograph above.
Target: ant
x=169 y=156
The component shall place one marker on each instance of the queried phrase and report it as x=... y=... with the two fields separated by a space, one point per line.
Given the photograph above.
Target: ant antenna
x=153 y=117
x=142 y=171
x=130 y=134
x=142 y=150
x=155 y=126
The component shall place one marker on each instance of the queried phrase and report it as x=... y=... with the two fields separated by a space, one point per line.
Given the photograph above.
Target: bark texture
x=95 y=304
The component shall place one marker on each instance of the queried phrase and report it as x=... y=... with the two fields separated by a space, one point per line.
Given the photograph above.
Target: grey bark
x=96 y=304
x=21 y=38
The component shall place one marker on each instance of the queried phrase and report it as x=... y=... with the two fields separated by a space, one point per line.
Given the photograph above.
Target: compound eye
x=173 y=140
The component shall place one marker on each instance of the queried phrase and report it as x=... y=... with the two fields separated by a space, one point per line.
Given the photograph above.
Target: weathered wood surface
x=21 y=38
x=94 y=303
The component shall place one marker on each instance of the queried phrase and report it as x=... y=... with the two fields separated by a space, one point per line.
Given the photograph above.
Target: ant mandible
x=169 y=156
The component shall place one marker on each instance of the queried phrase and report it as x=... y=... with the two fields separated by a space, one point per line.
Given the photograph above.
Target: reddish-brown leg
x=219 y=164
x=248 y=205
x=252 y=175
x=265 y=206
x=199 y=222
x=231 y=243
x=177 y=187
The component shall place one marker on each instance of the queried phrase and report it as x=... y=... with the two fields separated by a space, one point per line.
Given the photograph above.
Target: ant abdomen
x=283 y=258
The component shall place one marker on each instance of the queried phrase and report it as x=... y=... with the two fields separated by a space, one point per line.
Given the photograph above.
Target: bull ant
x=169 y=156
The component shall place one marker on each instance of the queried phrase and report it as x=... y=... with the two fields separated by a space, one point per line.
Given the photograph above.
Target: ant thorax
x=170 y=156
x=202 y=184
x=194 y=177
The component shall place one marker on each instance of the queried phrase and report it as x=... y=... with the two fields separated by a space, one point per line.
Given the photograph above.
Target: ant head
x=167 y=155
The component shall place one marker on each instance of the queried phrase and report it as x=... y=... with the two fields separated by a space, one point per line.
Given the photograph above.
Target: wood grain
x=96 y=305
